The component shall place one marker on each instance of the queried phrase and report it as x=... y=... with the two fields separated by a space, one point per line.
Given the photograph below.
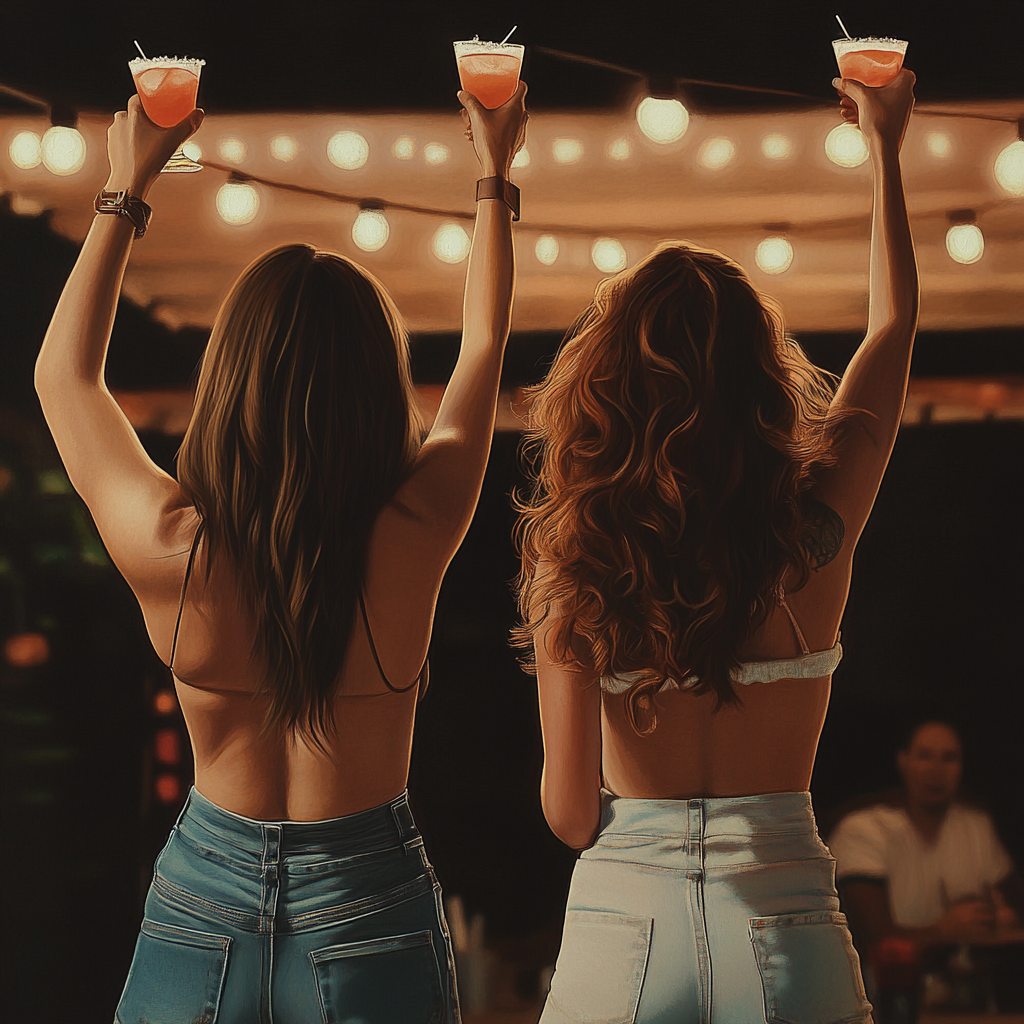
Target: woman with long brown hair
x=687 y=550
x=288 y=578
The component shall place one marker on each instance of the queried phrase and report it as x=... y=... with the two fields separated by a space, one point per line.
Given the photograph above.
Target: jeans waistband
x=384 y=827
x=709 y=817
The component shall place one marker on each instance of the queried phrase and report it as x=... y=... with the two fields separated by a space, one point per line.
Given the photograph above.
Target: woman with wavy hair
x=288 y=578
x=687 y=547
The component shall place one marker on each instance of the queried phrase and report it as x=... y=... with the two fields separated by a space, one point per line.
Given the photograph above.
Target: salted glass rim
x=140 y=64
x=482 y=46
x=844 y=46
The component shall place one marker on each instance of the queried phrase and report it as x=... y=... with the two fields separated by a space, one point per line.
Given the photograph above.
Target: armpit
x=823 y=534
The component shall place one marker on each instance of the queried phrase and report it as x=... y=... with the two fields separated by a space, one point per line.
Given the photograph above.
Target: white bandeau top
x=809 y=665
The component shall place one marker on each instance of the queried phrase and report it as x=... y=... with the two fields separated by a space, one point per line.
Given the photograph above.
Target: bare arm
x=445 y=484
x=874 y=386
x=103 y=456
x=570 y=721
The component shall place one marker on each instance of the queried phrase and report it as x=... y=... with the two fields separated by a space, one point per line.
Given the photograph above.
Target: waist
x=384 y=827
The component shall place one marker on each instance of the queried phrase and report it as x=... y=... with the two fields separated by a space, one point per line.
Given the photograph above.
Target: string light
x=1009 y=169
x=25 y=151
x=964 y=241
x=62 y=150
x=774 y=255
x=938 y=144
x=26 y=650
x=619 y=149
x=451 y=243
x=845 y=146
x=193 y=151
x=716 y=153
x=776 y=146
x=284 y=148
x=371 y=229
x=233 y=150
x=522 y=158
x=348 y=150
x=662 y=120
x=567 y=151
x=546 y=249
x=237 y=203
x=403 y=148
x=436 y=153
x=608 y=255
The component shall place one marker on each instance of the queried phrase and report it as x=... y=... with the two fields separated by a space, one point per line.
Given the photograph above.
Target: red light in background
x=168 y=788
x=26 y=650
x=167 y=746
x=165 y=702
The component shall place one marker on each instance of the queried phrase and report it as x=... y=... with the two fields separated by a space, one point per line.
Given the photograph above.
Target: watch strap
x=124 y=204
x=497 y=187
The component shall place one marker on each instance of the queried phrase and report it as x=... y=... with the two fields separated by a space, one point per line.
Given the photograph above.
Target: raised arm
x=104 y=459
x=874 y=386
x=444 y=486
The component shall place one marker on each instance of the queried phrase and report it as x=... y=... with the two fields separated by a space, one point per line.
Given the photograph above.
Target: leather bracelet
x=501 y=188
x=124 y=204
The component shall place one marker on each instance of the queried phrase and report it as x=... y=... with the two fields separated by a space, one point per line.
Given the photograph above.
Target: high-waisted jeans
x=718 y=910
x=261 y=922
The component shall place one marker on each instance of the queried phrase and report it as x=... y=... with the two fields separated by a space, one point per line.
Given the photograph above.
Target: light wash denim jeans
x=259 y=922
x=706 y=911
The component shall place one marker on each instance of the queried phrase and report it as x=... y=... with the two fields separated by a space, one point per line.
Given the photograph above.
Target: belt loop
x=402 y=814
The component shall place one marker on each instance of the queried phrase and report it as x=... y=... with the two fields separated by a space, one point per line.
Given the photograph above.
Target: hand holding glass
x=168 y=87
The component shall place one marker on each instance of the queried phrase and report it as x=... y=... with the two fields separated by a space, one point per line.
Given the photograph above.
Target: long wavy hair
x=671 y=448
x=305 y=423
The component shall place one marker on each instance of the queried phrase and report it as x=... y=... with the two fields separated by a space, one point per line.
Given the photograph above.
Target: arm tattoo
x=823 y=534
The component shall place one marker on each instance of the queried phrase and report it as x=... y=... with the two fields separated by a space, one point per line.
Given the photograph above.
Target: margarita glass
x=167 y=87
x=870 y=61
x=490 y=71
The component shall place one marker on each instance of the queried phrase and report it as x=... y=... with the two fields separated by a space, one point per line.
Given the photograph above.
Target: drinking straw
x=139 y=48
x=506 y=39
x=840 y=20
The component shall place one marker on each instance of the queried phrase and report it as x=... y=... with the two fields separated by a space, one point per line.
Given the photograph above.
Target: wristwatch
x=124 y=204
x=501 y=188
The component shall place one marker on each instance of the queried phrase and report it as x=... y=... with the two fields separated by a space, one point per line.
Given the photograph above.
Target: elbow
x=574 y=821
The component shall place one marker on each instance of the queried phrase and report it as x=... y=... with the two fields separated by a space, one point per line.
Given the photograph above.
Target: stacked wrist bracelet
x=124 y=204
x=501 y=188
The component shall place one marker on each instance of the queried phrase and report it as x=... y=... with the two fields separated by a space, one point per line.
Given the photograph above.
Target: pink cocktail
x=490 y=71
x=870 y=61
x=167 y=87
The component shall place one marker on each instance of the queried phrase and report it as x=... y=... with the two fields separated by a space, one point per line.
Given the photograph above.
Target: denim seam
x=362 y=908
x=172 y=893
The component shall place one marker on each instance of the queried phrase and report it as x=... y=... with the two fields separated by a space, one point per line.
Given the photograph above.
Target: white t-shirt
x=924 y=878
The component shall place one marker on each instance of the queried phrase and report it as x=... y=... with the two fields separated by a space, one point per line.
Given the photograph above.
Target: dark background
x=934 y=617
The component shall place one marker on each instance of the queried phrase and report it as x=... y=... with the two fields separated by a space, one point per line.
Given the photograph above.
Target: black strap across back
x=421 y=682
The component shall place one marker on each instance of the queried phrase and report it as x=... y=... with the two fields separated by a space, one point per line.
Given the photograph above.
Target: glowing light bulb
x=774 y=255
x=348 y=150
x=608 y=255
x=232 y=149
x=567 y=151
x=662 y=120
x=25 y=150
x=1009 y=168
x=776 y=146
x=522 y=158
x=451 y=243
x=403 y=148
x=716 y=153
x=546 y=249
x=192 y=150
x=284 y=148
x=938 y=144
x=845 y=146
x=436 y=153
x=237 y=203
x=619 y=149
x=371 y=230
x=965 y=243
x=63 y=150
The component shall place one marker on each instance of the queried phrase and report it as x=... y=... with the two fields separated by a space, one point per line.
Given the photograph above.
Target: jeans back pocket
x=600 y=971
x=395 y=978
x=177 y=975
x=810 y=972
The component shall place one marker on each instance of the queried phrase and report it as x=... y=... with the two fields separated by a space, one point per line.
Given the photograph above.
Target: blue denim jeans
x=261 y=922
x=716 y=910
